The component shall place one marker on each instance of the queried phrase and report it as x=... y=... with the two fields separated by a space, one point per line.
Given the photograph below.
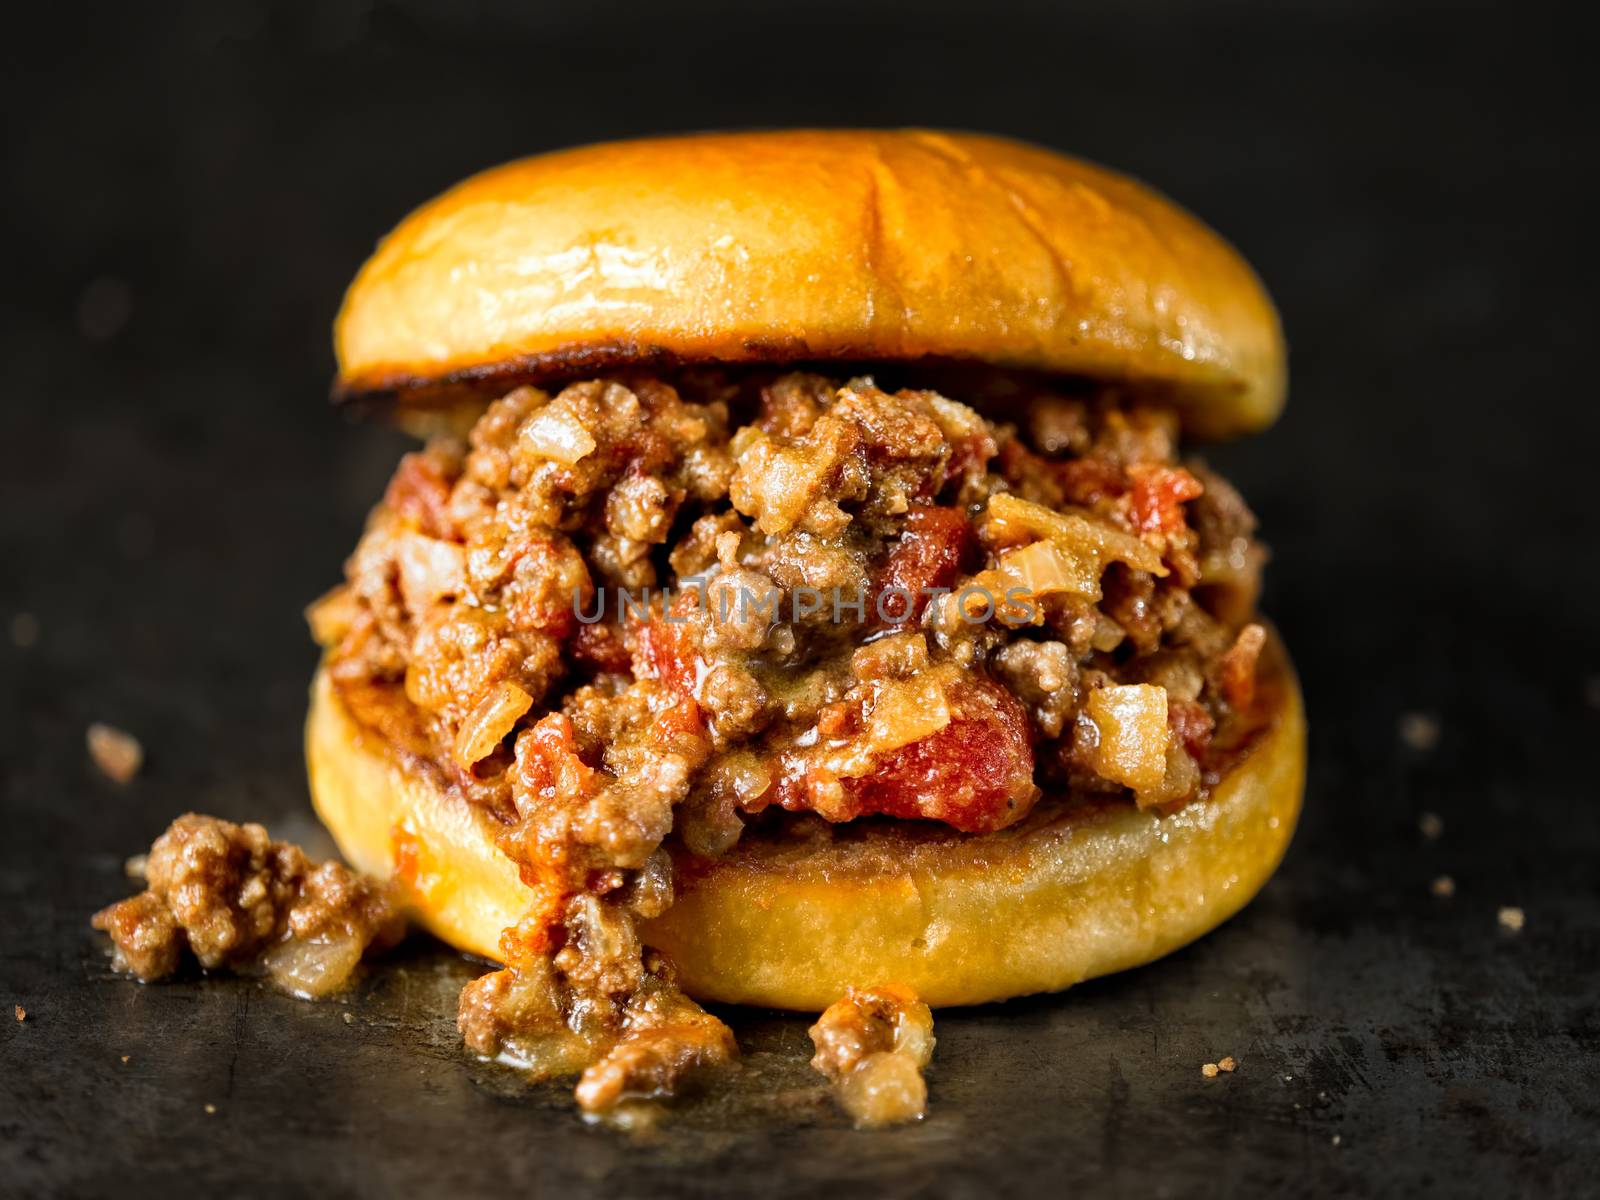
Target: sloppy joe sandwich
x=805 y=595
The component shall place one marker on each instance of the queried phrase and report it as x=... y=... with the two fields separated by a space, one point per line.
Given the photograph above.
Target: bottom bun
x=1078 y=889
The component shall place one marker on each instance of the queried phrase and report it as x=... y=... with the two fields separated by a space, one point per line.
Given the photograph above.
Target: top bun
x=813 y=245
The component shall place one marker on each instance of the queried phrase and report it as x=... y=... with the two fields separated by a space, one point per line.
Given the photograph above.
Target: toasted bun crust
x=865 y=246
x=1070 y=893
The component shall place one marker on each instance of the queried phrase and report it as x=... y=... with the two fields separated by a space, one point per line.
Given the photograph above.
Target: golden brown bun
x=808 y=245
x=1069 y=894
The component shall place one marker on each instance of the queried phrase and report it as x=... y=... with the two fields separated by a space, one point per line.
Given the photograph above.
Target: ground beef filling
x=643 y=609
x=235 y=899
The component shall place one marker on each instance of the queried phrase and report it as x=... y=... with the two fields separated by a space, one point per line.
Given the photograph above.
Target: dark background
x=187 y=192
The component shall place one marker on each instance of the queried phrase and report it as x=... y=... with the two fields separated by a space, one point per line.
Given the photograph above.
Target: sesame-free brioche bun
x=814 y=245
x=1074 y=891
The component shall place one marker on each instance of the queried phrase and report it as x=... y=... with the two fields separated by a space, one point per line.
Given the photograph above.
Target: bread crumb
x=22 y=1013
x=118 y=754
x=1431 y=825
x=1512 y=918
x=126 y=1057
x=24 y=630
x=1419 y=731
x=211 y=1108
x=1209 y=1070
x=1336 y=1139
x=1444 y=887
x=349 y=1019
x=1226 y=1063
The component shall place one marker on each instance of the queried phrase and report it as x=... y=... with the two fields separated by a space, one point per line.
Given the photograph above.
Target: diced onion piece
x=751 y=776
x=886 y=1088
x=1232 y=577
x=1237 y=563
x=315 y=968
x=1043 y=569
x=430 y=569
x=1011 y=519
x=1132 y=722
x=905 y=712
x=487 y=724
x=557 y=434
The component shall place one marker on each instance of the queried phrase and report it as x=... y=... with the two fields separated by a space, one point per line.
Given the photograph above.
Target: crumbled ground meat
x=666 y=1037
x=236 y=899
x=118 y=754
x=873 y=1044
x=643 y=608
x=601 y=1006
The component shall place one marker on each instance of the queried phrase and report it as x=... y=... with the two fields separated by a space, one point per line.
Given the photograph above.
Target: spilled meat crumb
x=1209 y=1070
x=667 y=1038
x=234 y=898
x=1419 y=731
x=22 y=1013
x=873 y=1044
x=118 y=754
x=1511 y=919
x=1226 y=1063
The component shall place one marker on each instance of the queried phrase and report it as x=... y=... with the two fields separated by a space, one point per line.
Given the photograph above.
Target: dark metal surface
x=183 y=204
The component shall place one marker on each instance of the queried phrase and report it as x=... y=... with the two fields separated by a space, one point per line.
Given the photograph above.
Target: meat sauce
x=646 y=609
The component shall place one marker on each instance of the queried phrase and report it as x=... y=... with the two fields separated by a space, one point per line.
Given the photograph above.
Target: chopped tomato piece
x=1190 y=723
x=970 y=455
x=1159 y=494
x=1237 y=667
x=548 y=764
x=552 y=774
x=930 y=554
x=683 y=719
x=665 y=652
x=838 y=720
x=975 y=774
